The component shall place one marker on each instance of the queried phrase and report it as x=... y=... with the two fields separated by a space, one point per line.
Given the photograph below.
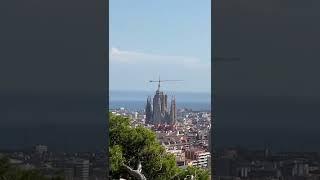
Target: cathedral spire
x=160 y=112
x=159 y=84
x=173 y=111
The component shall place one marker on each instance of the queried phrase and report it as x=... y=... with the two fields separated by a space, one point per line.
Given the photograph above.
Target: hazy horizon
x=143 y=90
x=142 y=96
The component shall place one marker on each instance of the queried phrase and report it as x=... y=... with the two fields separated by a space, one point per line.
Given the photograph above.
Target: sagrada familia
x=157 y=111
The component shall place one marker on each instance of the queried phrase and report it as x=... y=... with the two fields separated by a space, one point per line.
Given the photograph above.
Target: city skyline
x=165 y=39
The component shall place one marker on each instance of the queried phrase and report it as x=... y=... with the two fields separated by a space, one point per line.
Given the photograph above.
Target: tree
x=135 y=152
x=8 y=172
x=197 y=173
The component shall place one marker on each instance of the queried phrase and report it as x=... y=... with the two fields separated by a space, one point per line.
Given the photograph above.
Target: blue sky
x=170 y=38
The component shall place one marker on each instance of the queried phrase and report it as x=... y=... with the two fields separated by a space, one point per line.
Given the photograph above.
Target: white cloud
x=133 y=57
x=132 y=70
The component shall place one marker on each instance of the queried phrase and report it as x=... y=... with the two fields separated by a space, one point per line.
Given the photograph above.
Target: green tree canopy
x=130 y=145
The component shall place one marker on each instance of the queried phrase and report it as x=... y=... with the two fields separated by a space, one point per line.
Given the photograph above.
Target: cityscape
x=183 y=132
x=236 y=163
x=162 y=131
x=67 y=166
x=237 y=102
x=186 y=133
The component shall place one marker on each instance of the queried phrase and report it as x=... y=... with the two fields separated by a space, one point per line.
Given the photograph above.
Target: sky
x=166 y=38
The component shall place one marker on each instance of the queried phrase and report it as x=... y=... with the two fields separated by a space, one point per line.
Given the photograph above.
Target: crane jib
x=159 y=81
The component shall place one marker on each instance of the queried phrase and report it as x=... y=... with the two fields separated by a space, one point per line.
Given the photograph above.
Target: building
x=76 y=169
x=158 y=112
x=68 y=173
x=173 y=111
x=198 y=157
x=81 y=169
x=41 y=149
x=149 y=112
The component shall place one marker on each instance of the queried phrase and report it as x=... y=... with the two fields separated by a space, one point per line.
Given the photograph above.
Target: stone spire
x=173 y=111
x=149 y=111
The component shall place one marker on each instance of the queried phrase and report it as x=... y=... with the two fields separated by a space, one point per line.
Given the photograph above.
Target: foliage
x=129 y=145
x=198 y=173
x=7 y=172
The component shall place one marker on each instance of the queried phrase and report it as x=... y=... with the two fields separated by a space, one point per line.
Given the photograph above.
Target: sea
x=136 y=100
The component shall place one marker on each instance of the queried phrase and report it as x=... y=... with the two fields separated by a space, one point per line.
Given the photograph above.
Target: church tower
x=149 y=112
x=173 y=111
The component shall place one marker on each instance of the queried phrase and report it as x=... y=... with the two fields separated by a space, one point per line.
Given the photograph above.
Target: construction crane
x=159 y=81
